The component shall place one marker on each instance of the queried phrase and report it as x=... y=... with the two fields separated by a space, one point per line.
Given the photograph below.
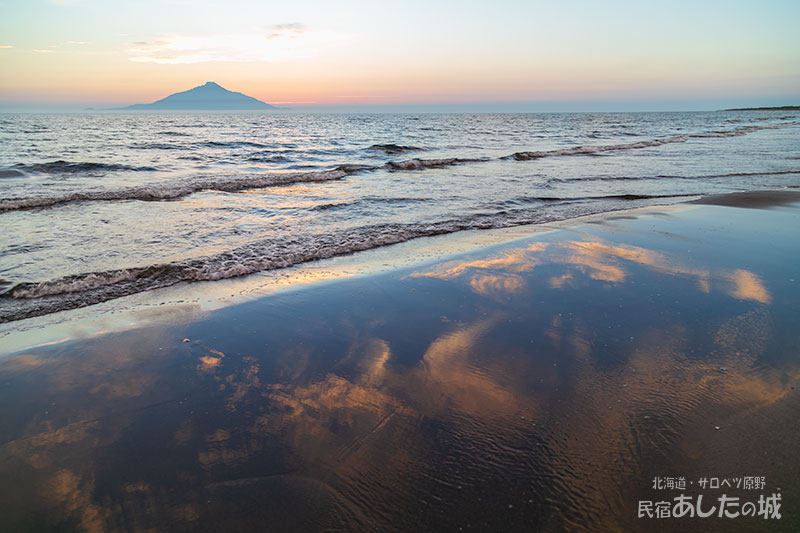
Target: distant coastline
x=779 y=108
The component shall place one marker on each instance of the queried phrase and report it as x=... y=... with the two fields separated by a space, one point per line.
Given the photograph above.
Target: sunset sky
x=505 y=55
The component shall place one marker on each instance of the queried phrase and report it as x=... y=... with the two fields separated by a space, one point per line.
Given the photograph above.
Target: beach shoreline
x=196 y=299
x=524 y=379
x=187 y=300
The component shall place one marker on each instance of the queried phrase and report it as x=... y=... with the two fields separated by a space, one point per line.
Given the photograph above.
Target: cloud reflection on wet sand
x=597 y=260
x=521 y=409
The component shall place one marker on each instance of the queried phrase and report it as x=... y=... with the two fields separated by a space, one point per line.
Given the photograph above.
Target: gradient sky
x=529 y=55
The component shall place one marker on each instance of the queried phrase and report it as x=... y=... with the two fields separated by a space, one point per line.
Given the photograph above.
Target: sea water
x=99 y=206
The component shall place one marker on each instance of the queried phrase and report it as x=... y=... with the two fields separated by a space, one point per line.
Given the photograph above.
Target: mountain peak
x=209 y=96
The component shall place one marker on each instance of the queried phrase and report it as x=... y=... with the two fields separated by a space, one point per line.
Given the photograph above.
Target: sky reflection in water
x=539 y=384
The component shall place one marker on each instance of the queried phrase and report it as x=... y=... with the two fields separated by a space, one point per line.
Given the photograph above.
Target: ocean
x=100 y=206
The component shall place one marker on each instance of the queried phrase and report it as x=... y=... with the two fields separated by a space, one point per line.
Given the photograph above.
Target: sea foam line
x=28 y=299
x=181 y=188
x=584 y=150
x=587 y=150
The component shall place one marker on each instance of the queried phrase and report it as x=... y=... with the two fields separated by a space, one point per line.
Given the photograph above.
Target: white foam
x=583 y=150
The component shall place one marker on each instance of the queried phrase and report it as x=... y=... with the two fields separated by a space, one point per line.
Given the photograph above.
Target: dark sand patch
x=752 y=199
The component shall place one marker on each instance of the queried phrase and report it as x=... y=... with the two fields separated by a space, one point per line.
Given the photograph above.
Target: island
x=207 y=97
x=779 y=108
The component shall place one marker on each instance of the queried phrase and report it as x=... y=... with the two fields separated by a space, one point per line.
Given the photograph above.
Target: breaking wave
x=744 y=130
x=422 y=164
x=589 y=150
x=180 y=188
x=84 y=289
x=69 y=167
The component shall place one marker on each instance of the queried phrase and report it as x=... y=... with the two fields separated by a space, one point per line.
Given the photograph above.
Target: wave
x=326 y=207
x=394 y=148
x=174 y=133
x=232 y=144
x=368 y=201
x=626 y=197
x=393 y=200
x=179 y=189
x=69 y=167
x=744 y=130
x=11 y=173
x=589 y=150
x=29 y=299
x=523 y=200
x=269 y=158
x=157 y=146
x=672 y=177
x=422 y=164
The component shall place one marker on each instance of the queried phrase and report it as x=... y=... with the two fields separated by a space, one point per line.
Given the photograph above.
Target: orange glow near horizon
x=86 y=52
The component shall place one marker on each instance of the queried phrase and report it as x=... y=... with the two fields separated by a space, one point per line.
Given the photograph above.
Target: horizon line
x=549 y=106
x=518 y=106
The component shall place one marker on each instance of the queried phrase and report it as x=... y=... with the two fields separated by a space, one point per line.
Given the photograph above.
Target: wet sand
x=752 y=199
x=536 y=384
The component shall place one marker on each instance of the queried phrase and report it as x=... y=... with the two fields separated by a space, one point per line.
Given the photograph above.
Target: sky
x=439 y=55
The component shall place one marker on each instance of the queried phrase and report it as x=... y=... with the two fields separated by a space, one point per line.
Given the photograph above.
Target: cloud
x=276 y=43
x=6 y=46
x=291 y=30
x=76 y=42
x=41 y=51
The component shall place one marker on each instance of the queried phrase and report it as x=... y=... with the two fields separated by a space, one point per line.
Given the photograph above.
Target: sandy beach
x=552 y=381
x=429 y=267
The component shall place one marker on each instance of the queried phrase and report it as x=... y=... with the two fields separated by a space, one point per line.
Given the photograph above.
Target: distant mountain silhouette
x=209 y=96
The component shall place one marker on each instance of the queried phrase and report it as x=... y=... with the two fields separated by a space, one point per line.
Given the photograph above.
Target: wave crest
x=392 y=149
x=179 y=189
x=69 y=167
x=589 y=150
x=422 y=164
x=89 y=288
